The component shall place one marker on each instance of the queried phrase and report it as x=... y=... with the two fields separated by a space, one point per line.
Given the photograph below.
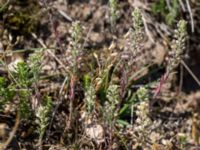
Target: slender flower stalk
x=137 y=32
x=76 y=43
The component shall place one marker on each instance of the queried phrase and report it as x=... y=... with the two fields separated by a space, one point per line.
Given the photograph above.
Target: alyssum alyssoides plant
x=136 y=35
x=110 y=112
x=77 y=37
x=175 y=54
x=42 y=117
x=143 y=124
x=131 y=56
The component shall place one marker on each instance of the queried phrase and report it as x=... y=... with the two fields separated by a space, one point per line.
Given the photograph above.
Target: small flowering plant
x=175 y=54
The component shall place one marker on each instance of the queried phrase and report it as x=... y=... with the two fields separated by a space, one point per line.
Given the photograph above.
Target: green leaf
x=123 y=123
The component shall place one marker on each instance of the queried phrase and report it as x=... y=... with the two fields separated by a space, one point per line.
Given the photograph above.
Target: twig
x=12 y=133
x=191 y=16
x=50 y=52
x=88 y=34
x=10 y=52
x=168 y=4
x=39 y=40
x=62 y=13
x=63 y=84
x=190 y=72
x=4 y=5
x=182 y=5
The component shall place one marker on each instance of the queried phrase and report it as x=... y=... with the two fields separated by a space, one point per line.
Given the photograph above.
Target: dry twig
x=12 y=133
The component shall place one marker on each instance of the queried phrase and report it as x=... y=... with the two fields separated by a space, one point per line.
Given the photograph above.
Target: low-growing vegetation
x=98 y=75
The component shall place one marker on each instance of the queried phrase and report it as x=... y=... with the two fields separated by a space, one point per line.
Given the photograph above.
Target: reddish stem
x=162 y=81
